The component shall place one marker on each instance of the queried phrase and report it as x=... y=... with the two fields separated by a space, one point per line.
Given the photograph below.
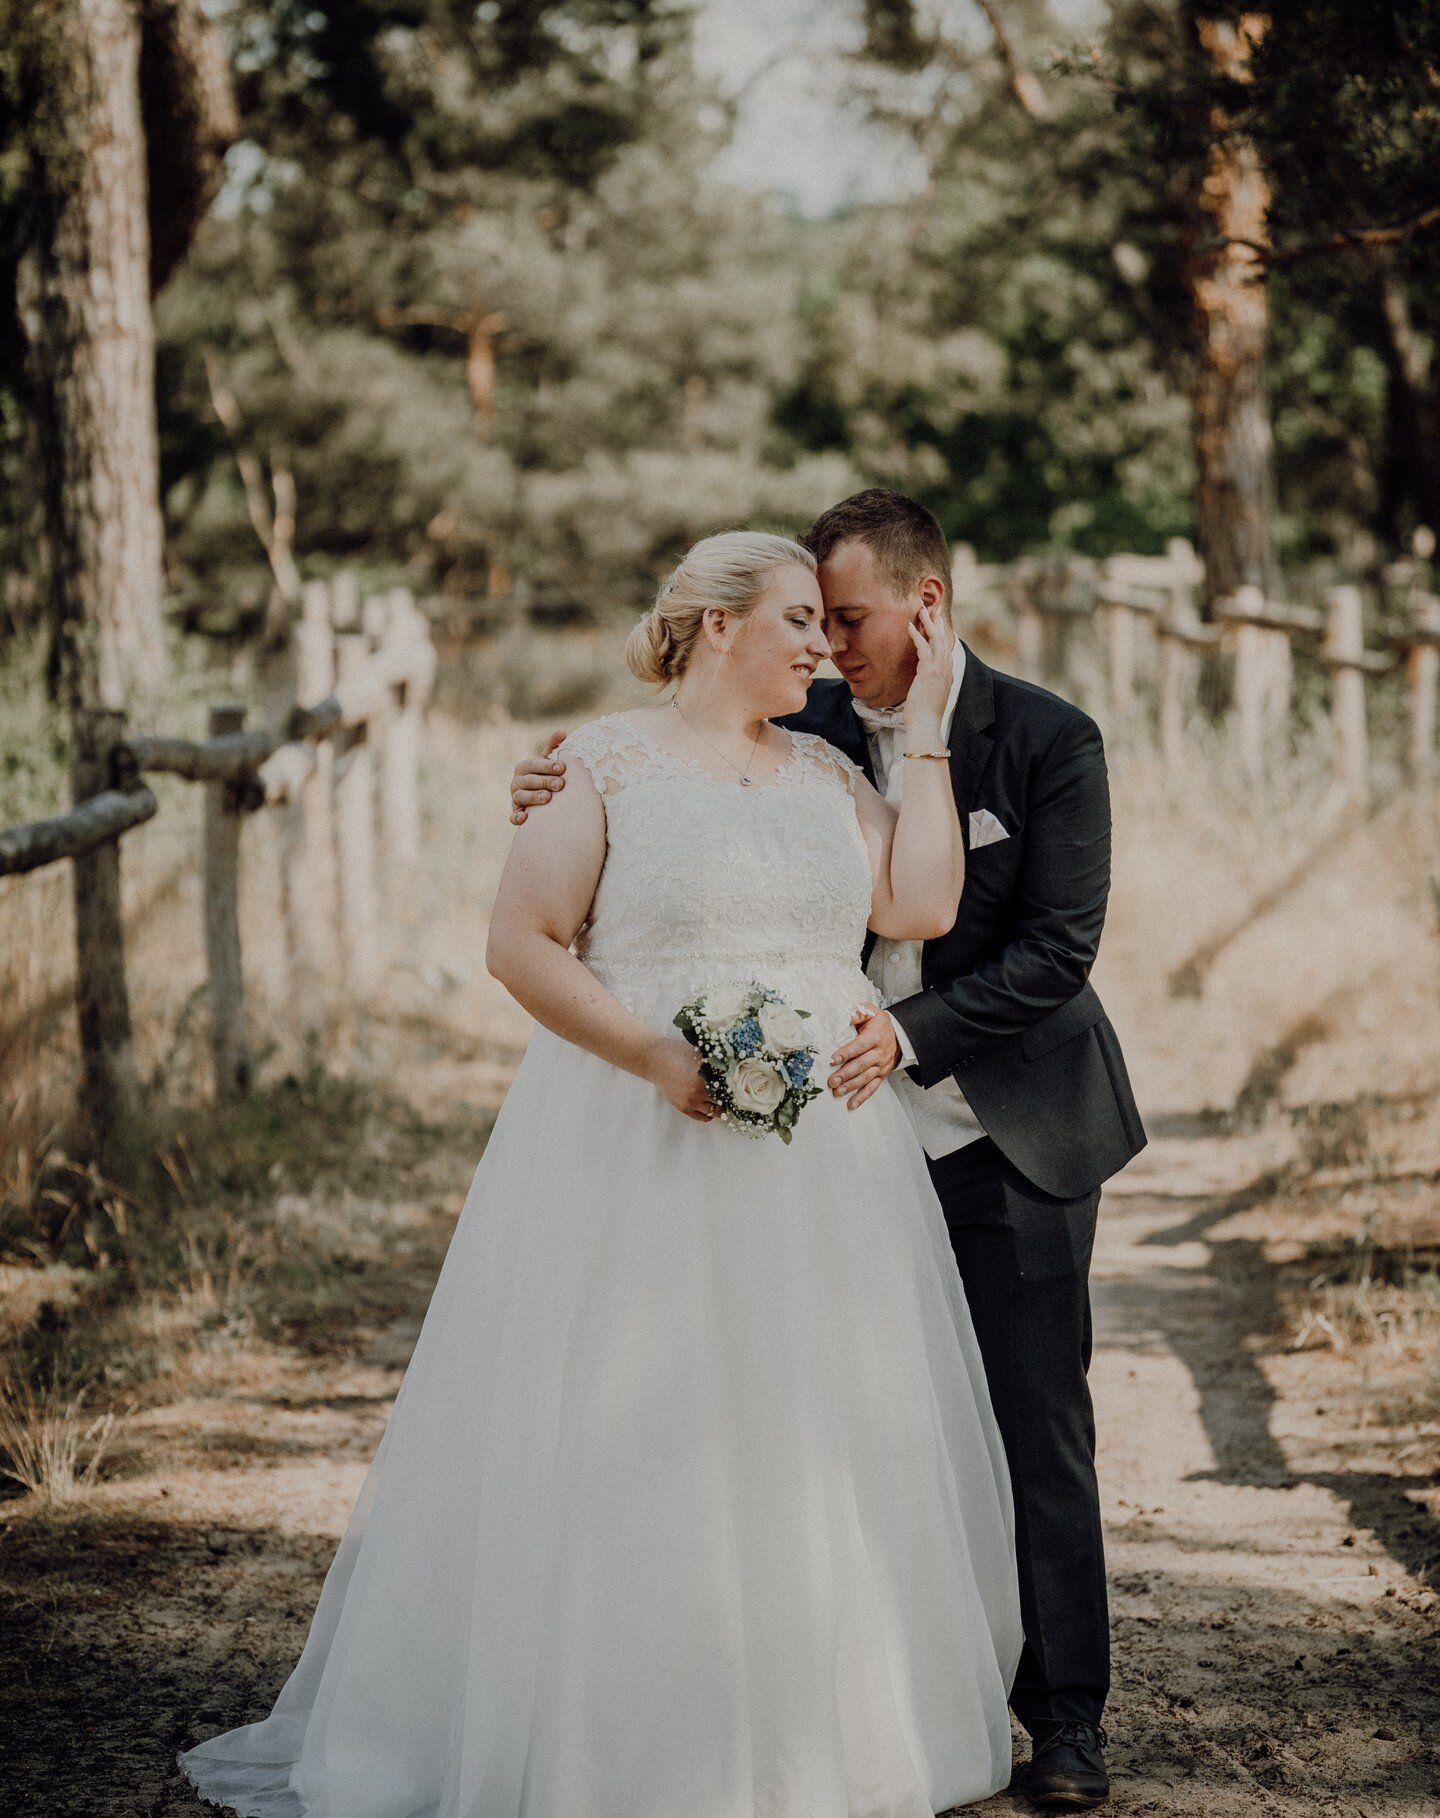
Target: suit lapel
x=972 y=743
x=842 y=729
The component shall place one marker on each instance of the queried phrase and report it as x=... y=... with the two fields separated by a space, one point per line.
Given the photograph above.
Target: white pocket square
x=985 y=829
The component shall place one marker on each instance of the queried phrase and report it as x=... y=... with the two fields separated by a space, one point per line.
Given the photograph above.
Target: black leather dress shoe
x=1067 y=1768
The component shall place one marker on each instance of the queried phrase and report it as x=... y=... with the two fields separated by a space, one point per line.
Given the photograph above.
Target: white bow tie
x=879 y=719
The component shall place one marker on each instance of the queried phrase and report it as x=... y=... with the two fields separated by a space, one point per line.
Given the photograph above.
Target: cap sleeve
x=604 y=747
x=821 y=758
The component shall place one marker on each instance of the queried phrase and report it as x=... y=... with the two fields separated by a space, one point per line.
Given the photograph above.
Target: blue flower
x=746 y=1038
x=798 y=1065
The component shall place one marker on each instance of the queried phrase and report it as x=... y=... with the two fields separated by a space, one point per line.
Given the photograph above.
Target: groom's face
x=868 y=623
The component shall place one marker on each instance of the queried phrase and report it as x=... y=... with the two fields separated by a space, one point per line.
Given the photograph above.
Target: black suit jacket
x=1007 y=1008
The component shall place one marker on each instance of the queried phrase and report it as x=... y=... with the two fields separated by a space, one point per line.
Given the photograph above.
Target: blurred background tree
x=473 y=305
x=473 y=309
x=1007 y=347
x=113 y=121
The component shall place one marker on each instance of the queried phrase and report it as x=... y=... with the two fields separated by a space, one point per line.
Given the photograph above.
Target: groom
x=1008 y=1066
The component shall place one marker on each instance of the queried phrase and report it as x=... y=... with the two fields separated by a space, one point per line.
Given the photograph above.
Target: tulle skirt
x=691 y=1503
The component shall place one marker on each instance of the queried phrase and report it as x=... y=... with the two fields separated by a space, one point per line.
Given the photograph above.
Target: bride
x=691 y=1503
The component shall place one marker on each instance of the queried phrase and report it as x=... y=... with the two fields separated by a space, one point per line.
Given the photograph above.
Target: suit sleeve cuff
x=907 y=1049
x=924 y=1023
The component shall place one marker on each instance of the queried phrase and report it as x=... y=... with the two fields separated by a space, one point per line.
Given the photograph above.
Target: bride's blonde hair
x=729 y=570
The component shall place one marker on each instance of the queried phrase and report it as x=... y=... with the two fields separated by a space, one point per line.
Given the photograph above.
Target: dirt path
x=1271 y=1538
x=1274 y=1651
x=1270 y=1656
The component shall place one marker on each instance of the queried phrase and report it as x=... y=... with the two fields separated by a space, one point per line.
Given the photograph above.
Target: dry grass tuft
x=1377 y=1299
x=46 y=1444
x=312 y=1213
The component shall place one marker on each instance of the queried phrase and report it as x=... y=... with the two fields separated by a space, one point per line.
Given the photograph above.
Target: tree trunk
x=1234 y=454
x=83 y=293
x=1412 y=412
x=112 y=1104
x=188 y=107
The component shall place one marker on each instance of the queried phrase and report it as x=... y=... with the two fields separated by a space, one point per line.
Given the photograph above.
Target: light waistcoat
x=942 y=1119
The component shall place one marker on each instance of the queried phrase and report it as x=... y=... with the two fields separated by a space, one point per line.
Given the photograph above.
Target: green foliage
x=893 y=36
x=1345 y=106
x=36 y=162
x=1342 y=105
x=34 y=736
x=1007 y=348
x=542 y=170
x=423 y=181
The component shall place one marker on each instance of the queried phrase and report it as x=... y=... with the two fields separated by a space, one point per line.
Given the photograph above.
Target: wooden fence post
x=1120 y=649
x=229 y=1050
x=314 y=937
x=393 y=891
x=344 y=601
x=1263 y=672
x=400 y=760
x=1344 y=652
x=304 y=924
x=1178 y=629
x=1029 y=626
x=111 y=1102
x=1249 y=699
x=355 y=836
x=964 y=575
x=375 y=619
x=1422 y=673
x=1049 y=597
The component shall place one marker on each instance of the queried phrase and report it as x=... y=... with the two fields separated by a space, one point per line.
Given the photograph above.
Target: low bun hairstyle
x=729 y=570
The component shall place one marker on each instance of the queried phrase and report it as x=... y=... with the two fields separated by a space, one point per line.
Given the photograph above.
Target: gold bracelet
x=931 y=754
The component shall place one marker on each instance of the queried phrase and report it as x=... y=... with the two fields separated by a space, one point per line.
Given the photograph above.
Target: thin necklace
x=745 y=773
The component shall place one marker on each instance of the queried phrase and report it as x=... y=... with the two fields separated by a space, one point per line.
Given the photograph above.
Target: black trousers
x=1024 y=1260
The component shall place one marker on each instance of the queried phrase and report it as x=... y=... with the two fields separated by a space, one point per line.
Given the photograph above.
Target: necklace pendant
x=744 y=782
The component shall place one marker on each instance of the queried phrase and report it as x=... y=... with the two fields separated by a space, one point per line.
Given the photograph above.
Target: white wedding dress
x=691 y=1503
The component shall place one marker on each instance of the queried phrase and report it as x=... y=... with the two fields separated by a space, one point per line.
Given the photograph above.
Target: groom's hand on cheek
x=863 y=1065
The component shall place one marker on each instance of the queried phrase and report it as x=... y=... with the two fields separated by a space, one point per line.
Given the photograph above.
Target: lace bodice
x=707 y=881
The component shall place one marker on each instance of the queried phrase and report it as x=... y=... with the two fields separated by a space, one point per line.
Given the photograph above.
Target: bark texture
x=1234 y=451
x=188 y=108
x=83 y=293
x=111 y=1102
x=1414 y=412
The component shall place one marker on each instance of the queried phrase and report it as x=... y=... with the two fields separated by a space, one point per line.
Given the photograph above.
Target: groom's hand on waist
x=861 y=1067
x=535 y=780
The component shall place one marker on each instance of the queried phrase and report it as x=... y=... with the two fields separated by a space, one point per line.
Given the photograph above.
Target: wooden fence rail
x=359 y=695
x=1128 y=599
x=341 y=773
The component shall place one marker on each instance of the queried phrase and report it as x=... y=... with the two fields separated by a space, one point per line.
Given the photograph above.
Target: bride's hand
x=934 y=639
x=675 y=1070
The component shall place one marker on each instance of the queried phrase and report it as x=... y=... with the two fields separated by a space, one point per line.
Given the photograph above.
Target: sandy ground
x=1271 y=1545
x=1275 y=1648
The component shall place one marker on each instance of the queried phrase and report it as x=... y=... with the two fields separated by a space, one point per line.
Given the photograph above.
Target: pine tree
x=480 y=306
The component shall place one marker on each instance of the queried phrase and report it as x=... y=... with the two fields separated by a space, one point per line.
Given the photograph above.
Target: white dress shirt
x=943 y=1120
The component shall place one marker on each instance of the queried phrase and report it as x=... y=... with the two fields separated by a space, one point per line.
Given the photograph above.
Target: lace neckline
x=640 y=730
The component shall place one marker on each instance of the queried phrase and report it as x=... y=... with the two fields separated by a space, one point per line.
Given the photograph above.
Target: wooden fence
x=1130 y=599
x=341 y=775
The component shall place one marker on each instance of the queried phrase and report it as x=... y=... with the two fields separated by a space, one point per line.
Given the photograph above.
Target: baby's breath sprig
x=754 y=1058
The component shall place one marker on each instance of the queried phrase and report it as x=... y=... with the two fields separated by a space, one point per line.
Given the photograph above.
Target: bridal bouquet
x=755 y=1060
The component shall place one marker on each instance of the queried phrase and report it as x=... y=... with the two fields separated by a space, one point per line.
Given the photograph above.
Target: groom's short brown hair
x=905 y=539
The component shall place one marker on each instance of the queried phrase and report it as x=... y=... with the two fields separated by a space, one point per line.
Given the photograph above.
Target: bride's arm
x=917 y=856
x=545 y=894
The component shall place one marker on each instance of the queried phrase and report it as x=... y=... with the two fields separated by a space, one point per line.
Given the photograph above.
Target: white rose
x=783 y=1028
x=724 y=1006
x=755 y=1086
